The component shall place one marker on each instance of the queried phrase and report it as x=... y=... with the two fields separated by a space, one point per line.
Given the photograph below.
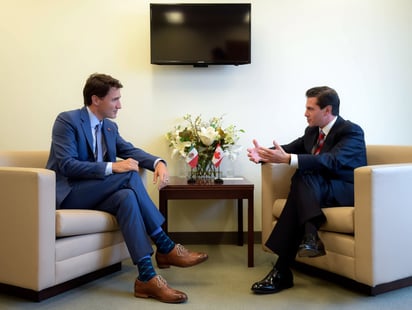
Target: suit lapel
x=108 y=132
x=311 y=138
x=331 y=135
x=86 y=127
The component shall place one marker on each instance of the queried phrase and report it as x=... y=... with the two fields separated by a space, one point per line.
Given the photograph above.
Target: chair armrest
x=27 y=227
x=275 y=185
x=383 y=230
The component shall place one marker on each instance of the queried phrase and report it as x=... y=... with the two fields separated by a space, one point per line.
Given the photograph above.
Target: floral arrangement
x=205 y=137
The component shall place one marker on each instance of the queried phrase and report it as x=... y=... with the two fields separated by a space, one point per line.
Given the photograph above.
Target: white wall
x=362 y=48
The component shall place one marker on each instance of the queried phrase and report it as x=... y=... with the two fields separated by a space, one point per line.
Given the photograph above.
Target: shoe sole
x=263 y=292
x=167 y=265
x=310 y=253
x=144 y=295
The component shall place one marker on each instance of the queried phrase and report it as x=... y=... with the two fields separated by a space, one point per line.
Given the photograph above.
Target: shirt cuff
x=156 y=161
x=293 y=160
x=109 y=169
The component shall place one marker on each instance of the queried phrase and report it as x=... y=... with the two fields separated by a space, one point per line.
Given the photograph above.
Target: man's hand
x=267 y=155
x=253 y=153
x=125 y=165
x=161 y=174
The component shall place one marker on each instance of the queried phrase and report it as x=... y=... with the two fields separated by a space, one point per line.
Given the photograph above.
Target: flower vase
x=204 y=173
x=183 y=168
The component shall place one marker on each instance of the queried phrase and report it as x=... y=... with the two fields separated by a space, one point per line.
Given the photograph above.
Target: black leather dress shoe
x=274 y=282
x=311 y=246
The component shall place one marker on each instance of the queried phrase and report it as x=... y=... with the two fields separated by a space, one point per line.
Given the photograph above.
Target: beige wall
x=362 y=48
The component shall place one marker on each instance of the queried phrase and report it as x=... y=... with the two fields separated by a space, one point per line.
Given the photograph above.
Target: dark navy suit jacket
x=71 y=154
x=343 y=151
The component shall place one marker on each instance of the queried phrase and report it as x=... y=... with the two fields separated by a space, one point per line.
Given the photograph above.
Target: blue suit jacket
x=343 y=151
x=71 y=154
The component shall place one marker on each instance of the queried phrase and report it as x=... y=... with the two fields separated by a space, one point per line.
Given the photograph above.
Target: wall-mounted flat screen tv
x=200 y=34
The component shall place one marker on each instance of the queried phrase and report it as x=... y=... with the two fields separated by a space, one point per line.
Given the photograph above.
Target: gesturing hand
x=253 y=153
x=268 y=155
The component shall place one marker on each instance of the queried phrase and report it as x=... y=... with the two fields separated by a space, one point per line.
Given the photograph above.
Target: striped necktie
x=319 y=143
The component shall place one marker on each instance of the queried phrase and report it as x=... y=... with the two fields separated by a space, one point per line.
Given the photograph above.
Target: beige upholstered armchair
x=44 y=251
x=369 y=244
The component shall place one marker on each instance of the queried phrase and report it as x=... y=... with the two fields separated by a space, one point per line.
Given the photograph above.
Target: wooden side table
x=236 y=188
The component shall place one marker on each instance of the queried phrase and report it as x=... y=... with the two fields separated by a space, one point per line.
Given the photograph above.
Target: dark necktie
x=98 y=151
x=319 y=143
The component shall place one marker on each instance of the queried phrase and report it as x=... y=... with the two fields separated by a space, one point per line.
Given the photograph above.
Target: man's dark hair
x=326 y=96
x=99 y=85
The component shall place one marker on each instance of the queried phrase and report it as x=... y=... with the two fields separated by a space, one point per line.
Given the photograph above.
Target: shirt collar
x=93 y=119
x=329 y=126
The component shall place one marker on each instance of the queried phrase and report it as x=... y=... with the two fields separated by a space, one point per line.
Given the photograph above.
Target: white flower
x=208 y=135
x=204 y=136
x=180 y=147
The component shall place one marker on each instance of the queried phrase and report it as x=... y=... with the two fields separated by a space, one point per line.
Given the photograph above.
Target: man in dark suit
x=85 y=146
x=325 y=157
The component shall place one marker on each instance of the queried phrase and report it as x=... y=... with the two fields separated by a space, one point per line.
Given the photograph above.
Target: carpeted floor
x=222 y=282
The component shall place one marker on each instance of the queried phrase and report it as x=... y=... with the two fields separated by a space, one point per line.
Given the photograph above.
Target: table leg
x=163 y=209
x=240 y=222
x=250 y=231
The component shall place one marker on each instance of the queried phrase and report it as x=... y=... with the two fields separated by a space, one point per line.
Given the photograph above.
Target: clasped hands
x=260 y=154
x=160 y=175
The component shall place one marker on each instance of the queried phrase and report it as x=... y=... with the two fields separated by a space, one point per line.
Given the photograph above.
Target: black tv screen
x=200 y=34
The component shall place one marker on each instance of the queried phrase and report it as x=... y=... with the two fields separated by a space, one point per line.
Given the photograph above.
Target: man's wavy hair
x=99 y=85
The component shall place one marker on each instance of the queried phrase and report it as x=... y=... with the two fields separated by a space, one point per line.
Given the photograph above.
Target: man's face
x=107 y=106
x=316 y=116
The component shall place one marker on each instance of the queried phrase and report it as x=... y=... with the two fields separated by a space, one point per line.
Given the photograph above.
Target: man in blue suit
x=84 y=151
x=325 y=158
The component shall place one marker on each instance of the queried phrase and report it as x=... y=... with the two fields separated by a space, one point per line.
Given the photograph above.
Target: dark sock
x=146 y=270
x=163 y=243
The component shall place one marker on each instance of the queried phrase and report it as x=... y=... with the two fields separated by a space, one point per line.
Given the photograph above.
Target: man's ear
x=95 y=100
x=328 y=109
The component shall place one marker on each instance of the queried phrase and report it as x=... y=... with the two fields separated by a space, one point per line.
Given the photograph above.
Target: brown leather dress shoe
x=180 y=257
x=158 y=288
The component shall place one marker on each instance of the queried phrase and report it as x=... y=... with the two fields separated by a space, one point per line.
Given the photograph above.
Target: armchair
x=45 y=251
x=367 y=244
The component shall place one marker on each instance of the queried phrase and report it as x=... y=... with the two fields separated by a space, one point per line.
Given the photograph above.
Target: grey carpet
x=222 y=282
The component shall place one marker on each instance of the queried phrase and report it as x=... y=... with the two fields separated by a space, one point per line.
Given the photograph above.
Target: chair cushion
x=338 y=219
x=75 y=246
x=71 y=222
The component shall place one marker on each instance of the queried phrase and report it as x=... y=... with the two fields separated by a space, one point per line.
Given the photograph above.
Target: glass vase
x=205 y=172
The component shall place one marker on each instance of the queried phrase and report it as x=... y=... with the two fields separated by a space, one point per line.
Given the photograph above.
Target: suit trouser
x=124 y=196
x=308 y=192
